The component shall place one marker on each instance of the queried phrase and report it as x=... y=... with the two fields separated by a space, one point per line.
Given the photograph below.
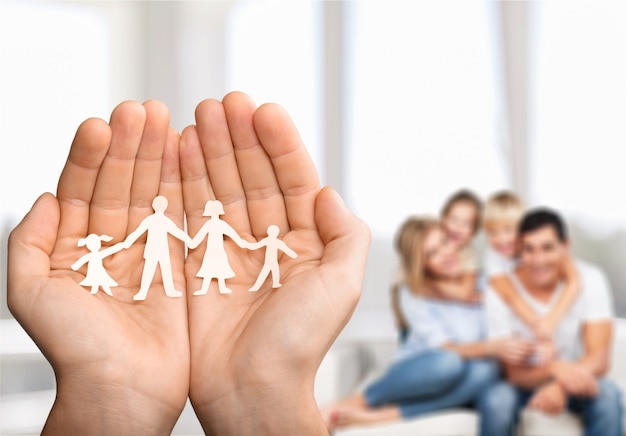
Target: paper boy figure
x=272 y=244
x=96 y=274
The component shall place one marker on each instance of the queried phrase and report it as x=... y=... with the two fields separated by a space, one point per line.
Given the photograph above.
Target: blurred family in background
x=517 y=324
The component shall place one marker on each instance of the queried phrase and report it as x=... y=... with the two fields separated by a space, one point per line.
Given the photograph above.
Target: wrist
x=553 y=383
x=283 y=407
x=555 y=367
x=89 y=405
x=493 y=348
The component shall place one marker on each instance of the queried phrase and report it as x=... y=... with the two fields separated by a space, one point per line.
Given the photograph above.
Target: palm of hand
x=230 y=342
x=111 y=172
x=237 y=327
x=141 y=339
x=254 y=162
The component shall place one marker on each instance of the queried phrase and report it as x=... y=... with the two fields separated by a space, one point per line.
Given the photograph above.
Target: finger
x=78 y=179
x=555 y=406
x=535 y=403
x=577 y=383
x=219 y=156
x=147 y=171
x=170 y=185
x=30 y=246
x=346 y=240
x=111 y=198
x=589 y=387
x=264 y=199
x=195 y=178
x=294 y=169
x=171 y=188
x=521 y=351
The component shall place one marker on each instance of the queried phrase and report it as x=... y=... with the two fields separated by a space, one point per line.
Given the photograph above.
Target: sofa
x=27 y=389
x=351 y=364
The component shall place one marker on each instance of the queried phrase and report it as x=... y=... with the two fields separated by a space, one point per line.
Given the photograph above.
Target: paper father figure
x=157 y=252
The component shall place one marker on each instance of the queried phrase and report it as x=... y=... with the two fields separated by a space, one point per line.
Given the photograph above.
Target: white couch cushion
x=538 y=424
x=375 y=355
x=453 y=422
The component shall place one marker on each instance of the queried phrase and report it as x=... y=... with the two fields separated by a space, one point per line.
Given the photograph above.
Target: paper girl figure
x=96 y=274
x=215 y=262
x=272 y=244
x=157 y=252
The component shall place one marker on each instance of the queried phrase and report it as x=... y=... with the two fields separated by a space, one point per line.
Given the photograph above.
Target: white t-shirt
x=497 y=264
x=594 y=303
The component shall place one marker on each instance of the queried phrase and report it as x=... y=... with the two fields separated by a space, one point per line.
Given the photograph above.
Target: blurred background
x=399 y=102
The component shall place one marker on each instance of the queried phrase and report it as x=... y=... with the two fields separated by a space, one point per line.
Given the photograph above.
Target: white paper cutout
x=215 y=262
x=272 y=244
x=157 y=252
x=96 y=276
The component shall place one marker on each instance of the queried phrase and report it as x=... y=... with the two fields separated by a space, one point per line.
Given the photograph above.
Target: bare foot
x=330 y=415
x=360 y=416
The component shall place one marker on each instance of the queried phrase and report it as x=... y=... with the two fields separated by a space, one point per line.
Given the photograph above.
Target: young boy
x=501 y=215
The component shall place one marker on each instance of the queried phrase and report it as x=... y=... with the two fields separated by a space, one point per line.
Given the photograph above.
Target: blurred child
x=460 y=219
x=501 y=216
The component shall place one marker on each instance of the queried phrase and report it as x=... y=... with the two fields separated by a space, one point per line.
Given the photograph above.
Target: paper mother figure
x=215 y=262
x=156 y=252
x=96 y=274
x=272 y=244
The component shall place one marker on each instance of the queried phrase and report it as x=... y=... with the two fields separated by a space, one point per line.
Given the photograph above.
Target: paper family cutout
x=156 y=252
x=96 y=274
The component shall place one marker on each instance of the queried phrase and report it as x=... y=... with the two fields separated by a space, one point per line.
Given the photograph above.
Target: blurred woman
x=444 y=361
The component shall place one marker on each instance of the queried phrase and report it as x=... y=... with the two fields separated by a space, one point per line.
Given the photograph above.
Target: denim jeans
x=430 y=381
x=502 y=403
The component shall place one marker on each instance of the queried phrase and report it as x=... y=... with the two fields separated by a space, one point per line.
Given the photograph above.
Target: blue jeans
x=430 y=381
x=502 y=403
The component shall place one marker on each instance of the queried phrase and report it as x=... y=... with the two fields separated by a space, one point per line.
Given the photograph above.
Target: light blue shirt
x=434 y=322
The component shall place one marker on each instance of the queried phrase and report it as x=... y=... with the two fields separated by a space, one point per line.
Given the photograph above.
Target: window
x=578 y=154
x=273 y=55
x=423 y=98
x=580 y=109
x=55 y=67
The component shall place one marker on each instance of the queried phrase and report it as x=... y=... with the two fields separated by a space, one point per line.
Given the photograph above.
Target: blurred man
x=581 y=344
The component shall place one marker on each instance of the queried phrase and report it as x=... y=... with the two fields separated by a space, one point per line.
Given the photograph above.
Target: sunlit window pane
x=423 y=104
x=580 y=148
x=273 y=56
x=54 y=69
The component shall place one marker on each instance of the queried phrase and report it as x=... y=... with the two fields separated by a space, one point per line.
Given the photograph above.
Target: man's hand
x=514 y=351
x=254 y=355
x=550 y=399
x=575 y=378
x=544 y=353
x=543 y=328
x=121 y=367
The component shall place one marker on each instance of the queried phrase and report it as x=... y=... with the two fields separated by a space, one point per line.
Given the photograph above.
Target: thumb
x=30 y=246
x=346 y=239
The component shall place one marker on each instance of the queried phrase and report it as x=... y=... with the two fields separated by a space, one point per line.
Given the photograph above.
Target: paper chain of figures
x=158 y=226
